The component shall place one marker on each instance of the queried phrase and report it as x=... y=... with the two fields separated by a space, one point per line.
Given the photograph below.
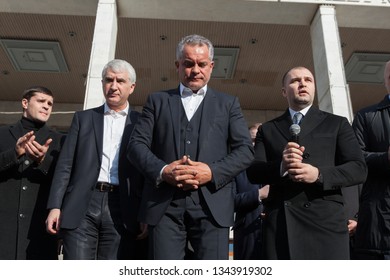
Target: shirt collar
x=123 y=112
x=184 y=93
x=303 y=111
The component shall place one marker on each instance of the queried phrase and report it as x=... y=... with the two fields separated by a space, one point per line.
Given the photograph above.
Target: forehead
x=117 y=73
x=199 y=51
x=41 y=96
x=299 y=73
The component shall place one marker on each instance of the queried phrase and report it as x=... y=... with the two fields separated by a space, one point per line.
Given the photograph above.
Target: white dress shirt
x=191 y=100
x=114 y=124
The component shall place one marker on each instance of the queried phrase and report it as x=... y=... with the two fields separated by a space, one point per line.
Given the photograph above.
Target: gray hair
x=194 y=40
x=119 y=65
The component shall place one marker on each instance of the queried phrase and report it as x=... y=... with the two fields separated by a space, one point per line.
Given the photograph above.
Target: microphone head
x=295 y=129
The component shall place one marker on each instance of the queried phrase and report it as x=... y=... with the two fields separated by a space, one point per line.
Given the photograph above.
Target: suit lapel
x=16 y=130
x=207 y=120
x=311 y=121
x=129 y=125
x=175 y=107
x=283 y=124
x=97 y=117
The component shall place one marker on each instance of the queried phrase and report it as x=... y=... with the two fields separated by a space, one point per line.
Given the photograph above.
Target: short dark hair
x=296 y=67
x=30 y=92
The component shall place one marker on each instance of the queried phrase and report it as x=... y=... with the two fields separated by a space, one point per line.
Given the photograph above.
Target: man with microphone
x=304 y=212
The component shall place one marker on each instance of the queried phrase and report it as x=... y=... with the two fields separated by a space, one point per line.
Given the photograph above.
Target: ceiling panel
x=267 y=50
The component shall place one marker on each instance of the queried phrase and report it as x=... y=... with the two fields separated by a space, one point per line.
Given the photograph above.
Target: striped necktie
x=297 y=118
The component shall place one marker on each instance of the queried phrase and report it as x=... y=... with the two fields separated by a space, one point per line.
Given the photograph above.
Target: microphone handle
x=295 y=138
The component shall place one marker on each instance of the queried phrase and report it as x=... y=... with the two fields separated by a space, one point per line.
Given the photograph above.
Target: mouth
x=112 y=95
x=302 y=92
x=195 y=79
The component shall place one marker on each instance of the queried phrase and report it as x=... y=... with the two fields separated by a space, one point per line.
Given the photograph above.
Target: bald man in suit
x=304 y=212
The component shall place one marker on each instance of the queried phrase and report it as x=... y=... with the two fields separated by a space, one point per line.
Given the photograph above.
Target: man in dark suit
x=96 y=192
x=190 y=143
x=372 y=126
x=247 y=236
x=304 y=213
x=28 y=153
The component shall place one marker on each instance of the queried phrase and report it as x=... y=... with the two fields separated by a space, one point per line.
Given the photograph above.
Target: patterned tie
x=297 y=118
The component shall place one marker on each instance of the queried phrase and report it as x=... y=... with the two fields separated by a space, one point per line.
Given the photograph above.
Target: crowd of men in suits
x=166 y=183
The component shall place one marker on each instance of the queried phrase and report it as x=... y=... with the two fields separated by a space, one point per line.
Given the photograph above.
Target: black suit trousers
x=99 y=233
x=188 y=221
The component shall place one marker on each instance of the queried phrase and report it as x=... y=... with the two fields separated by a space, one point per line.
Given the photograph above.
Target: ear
x=284 y=93
x=132 y=88
x=24 y=103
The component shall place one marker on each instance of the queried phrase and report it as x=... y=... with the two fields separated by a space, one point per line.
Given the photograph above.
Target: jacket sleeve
x=8 y=159
x=241 y=149
x=139 y=150
x=377 y=161
x=63 y=168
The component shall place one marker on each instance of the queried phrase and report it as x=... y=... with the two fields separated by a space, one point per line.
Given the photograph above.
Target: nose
x=195 y=69
x=114 y=83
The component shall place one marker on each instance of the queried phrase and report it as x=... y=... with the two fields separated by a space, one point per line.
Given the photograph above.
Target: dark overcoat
x=308 y=221
x=372 y=128
x=24 y=189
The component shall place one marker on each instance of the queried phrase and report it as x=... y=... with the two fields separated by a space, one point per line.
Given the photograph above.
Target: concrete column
x=332 y=89
x=103 y=50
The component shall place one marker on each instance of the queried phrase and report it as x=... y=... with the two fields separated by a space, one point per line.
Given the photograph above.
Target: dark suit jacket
x=247 y=238
x=24 y=190
x=224 y=144
x=308 y=221
x=78 y=169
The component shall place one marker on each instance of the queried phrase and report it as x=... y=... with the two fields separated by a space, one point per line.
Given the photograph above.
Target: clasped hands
x=27 y=145
x=292 y=164
x=187 y=174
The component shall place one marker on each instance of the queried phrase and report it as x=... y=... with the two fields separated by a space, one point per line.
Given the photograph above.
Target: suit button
x=188 y=142
x=26 y=162
x=287 y=203
x=22 y=216
x=24 y=188
x=307 y=205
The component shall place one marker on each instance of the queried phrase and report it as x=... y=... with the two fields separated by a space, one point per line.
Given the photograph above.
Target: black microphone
x=295 y=129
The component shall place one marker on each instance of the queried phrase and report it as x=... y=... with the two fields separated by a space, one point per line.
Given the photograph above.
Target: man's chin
x=195 y=86
x=303 y=101
x=40 y=120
